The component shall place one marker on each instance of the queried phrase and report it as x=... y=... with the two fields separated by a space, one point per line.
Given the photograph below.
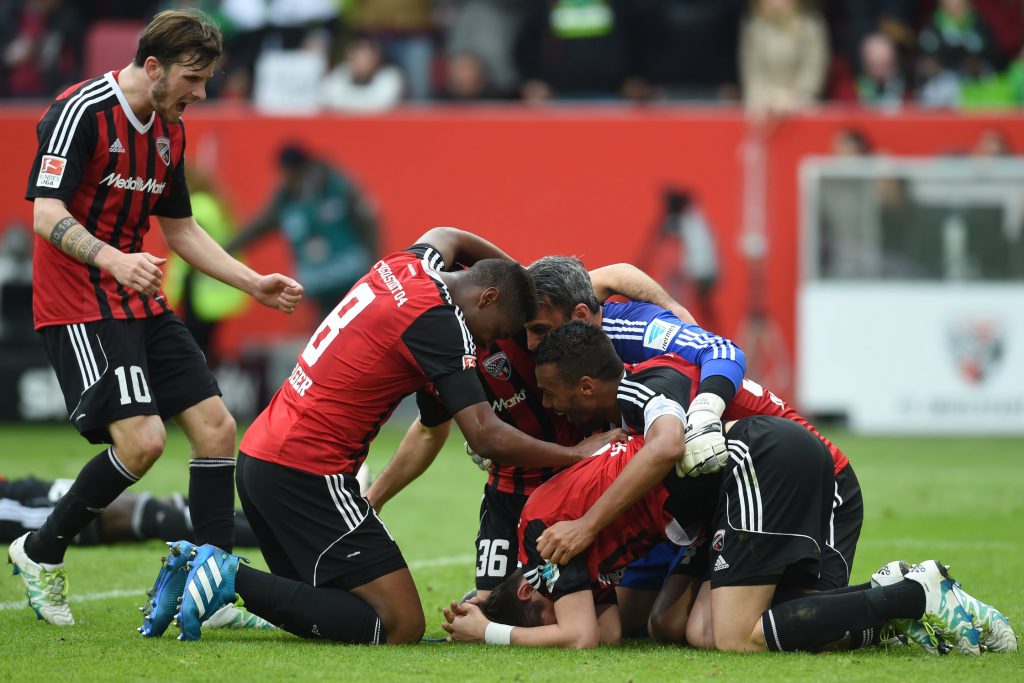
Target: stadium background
x=584 y=170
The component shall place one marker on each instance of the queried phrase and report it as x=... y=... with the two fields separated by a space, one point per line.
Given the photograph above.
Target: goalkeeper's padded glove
x=479 y=460
x=705 y=442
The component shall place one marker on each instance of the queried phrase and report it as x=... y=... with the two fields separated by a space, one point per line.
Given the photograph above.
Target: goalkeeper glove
x=480 y=461
x=705 y=442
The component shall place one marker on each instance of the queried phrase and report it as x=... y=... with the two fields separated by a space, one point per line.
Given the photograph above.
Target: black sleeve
x=636 y=391
x=429 y=252
x=442 y=346
x=720 y=386
x=549 y=579
x=432 y=413
x=66 y=143
x=175 y=201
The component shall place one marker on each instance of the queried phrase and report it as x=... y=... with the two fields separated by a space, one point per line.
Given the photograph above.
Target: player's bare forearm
x=492 y=438
x=192 y=243
x=460 y=246
x=664 y=445
x=629 y=281
x=187 y=239
x=416 y=452
x=52 y=222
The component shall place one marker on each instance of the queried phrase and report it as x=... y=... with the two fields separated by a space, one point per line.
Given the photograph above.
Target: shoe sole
x=158 y=594
x=999 y=637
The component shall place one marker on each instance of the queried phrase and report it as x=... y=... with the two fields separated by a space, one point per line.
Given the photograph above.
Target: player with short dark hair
x=111 y=154
x=336 y=572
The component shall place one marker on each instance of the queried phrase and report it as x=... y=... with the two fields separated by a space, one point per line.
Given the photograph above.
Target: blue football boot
x=165 y=596
x=210 y=585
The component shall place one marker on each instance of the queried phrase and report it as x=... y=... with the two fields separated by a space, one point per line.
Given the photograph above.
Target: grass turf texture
x=957 y=500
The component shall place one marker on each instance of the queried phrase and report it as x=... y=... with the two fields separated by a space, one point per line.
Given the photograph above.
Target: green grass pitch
x=958 y=500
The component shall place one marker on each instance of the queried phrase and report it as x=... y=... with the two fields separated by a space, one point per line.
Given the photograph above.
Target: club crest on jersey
x=497 y=365
x=658 y=335
x=163 y=148
x=468 y=362
x=977 y=347
x=718 y=542
x=51 y=171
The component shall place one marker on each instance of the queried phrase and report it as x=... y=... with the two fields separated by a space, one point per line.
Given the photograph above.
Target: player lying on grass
x=507 y=374
x=335 y=571
x=26 y=502
x=769 y=511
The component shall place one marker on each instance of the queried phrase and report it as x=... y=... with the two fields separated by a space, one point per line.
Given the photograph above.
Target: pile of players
x=716 y=516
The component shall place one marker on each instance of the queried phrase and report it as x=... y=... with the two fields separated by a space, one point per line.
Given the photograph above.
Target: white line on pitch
x=944 y=544
x=141 y=592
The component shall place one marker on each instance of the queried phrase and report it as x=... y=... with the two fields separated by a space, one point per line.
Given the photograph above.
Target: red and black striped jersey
x=510 y=383
x=661 y=375
x=113 y=172
x=395 y=331
x=567 y=496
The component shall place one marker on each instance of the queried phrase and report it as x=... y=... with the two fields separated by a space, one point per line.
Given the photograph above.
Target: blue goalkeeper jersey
x=640 y=331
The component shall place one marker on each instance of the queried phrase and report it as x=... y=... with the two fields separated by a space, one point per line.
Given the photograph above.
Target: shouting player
x=112 y=154
x=336 y=572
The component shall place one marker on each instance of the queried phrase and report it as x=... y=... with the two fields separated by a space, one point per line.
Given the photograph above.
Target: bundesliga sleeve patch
x=51 y=170
x=659 y=334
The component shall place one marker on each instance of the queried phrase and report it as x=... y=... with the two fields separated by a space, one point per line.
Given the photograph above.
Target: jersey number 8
x=354 y=302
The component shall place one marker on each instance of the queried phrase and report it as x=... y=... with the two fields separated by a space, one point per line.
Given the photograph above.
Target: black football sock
x=840 y=620
x=308 y=612
x=211 y=496
x=102 y=480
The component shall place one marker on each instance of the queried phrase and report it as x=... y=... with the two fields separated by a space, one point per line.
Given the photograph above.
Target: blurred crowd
x=773 y=55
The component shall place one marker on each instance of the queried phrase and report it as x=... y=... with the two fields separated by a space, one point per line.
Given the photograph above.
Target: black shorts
x=315 y=528
x=113 y=369
x=844 y=532
x=775 y=503
x=497 y=541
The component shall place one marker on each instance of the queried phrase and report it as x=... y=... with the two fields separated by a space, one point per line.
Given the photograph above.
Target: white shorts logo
x=658 y=335
x=51 y=170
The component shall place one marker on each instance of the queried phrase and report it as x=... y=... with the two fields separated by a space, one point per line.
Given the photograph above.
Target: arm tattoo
x=61 y=229
x=75 y=242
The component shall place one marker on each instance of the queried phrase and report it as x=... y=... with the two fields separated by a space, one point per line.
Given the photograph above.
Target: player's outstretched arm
x=416 y=452
x=53 y=223
x=575 y=628
x=663 y=447
x=629 y=281
x=186 y=238
x=493 y=438
x=459 y=246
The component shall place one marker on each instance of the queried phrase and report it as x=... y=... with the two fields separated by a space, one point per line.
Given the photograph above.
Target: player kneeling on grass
x=770 y=511
x=335 y=571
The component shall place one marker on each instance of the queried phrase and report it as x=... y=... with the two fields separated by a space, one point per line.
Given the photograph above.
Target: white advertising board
x=934 y=358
